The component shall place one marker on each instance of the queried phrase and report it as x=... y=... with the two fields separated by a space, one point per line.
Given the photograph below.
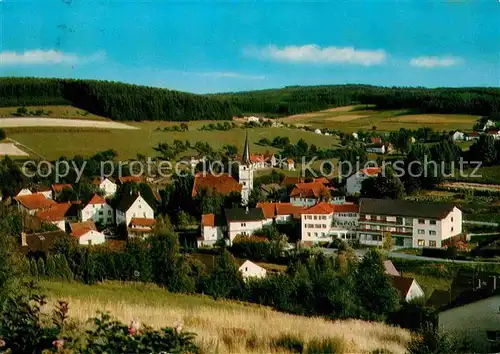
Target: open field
x=11 y=150
x=221 y=326
x=354 y=118
x=128 y=143
x=59 y=122
x=54 y=112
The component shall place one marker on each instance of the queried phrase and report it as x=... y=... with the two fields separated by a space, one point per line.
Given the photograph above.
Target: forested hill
x=121 y=101
x=301 y=99
x=117 y=101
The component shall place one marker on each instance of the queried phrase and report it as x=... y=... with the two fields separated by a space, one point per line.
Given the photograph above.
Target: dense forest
x=131 y=102
x=301 y=99
x=117 y=101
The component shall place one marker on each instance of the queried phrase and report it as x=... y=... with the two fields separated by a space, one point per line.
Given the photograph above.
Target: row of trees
x=117 y=101
x=300 y=99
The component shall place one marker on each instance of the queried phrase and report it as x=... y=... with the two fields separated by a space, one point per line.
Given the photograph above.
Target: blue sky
x=228 y=46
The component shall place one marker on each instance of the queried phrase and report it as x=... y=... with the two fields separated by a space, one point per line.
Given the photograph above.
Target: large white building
x=133 y=206
x=323 y=222
x=354 y=182
x=411 y=224
x=243 y=221
x=211 y=230
x=98 y=210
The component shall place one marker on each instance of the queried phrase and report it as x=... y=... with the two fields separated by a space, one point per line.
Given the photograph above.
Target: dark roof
x=402 y=284
x=245 y=159
x=40 y=241
x=471 y=297
x=407 y=208
x=126 y=202
x=73 y=210
x=242 y=214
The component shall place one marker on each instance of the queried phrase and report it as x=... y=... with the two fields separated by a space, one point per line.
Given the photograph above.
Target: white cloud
x=232 y=75
x=433 y=62
x=43 y=57
x=312 y=53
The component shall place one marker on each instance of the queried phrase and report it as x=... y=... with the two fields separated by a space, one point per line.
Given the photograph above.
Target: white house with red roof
x=280 y=213
x=31 y=203
x=86 y=233
x=211 y=230
x=288 y=164
x=133 y=206
x=323 y=222
x=309 y=194
x=98 y=210
x=55 y=215
x=495 y=133
x=354 y=182
x=141 y=227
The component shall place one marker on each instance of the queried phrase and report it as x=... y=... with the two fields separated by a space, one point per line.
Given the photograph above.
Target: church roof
x=245 y=159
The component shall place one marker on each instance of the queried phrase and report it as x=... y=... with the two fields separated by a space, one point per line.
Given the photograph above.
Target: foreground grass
x=60 y=142
x=221 y=326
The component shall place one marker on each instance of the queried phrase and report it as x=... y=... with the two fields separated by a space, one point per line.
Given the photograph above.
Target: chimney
x=23 y=239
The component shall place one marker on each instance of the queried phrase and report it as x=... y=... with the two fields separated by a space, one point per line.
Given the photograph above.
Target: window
x=421 y=232
x=452 y=229
x=452 y=219
x=243 y=224
x=323 y=234
x=432 y=233
x=315 y=234
x=315 y=217
x=432 y=243
x=432 y=222
x=309 y=234
x=100 y=212
x=109 y=212
x=323 y=217
x=421 y=242
x=421 y=221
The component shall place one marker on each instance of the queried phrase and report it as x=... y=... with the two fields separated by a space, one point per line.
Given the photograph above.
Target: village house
x=271 y=160
x=249 y=270
x=390 y=269
x=141 y=227
x=354 y=182
x=107 y=185
x=55 y=215
x=411 y=224
x=31 y=203
x=308 y=194
x=495 y=133
x=288 y=165
x=473 y=136
x=130 y=179
x=39 y=241
x=22 y=192
x=280 y=213
x=98 y=210
x=243 y=221
x=212 y=230
x=376 y=148
x=86 y=233
x=224 y=184
x=458 y=136
x=317 y=131
x=57 y=189
x=488 y=125
x=133 y=206
x=408 y=288
x=474 y=316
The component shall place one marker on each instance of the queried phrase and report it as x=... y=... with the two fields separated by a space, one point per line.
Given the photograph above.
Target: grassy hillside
x=56 y=142
x=222 y=326
x=354 y=118
x=52 y=111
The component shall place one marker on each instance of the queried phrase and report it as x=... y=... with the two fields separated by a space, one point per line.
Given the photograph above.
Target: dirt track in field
x=60 y=122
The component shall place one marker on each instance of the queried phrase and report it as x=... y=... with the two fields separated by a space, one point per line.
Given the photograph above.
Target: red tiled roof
x=371 y=171
x=135 y=179
x=146 y=222
x=473 y=134
x=346 y=208
x=35 y=201
x=289 y=209
x=97 y=199
x=375 y=140
x=208 y=220
x=309 y=190
x=223 y=184
x=268 y=209
x=61 y=187
x=78 y=229
x=320 y=208
x=54 y=213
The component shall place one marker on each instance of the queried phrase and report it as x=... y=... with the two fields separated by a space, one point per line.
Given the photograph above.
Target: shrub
x=2 y=134
x=289 y=342
x=325 y=346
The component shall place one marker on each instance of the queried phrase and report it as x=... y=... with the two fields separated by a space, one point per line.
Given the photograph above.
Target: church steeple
x=245 y=159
